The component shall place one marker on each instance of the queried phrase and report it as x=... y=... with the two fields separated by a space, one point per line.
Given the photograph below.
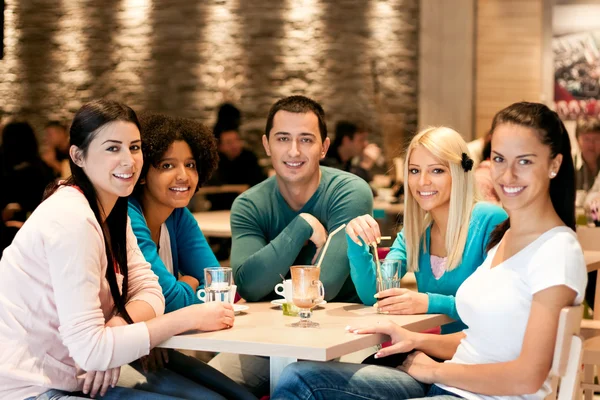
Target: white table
x=214 y=223
x=264 y=331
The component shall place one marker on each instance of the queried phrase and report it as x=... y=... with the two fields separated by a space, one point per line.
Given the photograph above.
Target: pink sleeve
x=143 y=283
x=75 y=253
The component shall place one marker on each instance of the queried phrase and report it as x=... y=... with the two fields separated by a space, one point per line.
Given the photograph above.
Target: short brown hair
x=298 y=105
x=587 y=125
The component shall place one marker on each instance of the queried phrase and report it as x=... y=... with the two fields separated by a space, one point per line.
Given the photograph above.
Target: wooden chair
x=589 y=238
x=567 y=355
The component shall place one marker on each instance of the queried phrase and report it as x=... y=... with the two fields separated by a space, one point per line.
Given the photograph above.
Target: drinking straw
x=339 y=228
x=377 y=260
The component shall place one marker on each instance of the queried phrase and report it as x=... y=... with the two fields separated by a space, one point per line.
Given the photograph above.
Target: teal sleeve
x=354 y=199
x=442 y=304
x=257 y=262
x=177 y=294
x=362 y=266
x=193 y=250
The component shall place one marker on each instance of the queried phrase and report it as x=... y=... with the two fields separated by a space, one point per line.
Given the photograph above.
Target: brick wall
x=184 y=57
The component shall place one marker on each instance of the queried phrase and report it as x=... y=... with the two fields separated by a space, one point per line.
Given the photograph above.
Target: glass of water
x=389 y=278
x=217 y=284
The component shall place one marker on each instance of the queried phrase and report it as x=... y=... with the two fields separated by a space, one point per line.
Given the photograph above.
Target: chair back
x=589 y=237
x=566 y=363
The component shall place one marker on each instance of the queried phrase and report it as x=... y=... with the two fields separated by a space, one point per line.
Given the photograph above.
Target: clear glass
x=389 y=278
x=217 y=284
x=307 y=291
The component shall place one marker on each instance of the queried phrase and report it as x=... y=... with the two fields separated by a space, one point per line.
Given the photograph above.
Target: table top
x=263 y=330
x=214 y=223
x=592 y=259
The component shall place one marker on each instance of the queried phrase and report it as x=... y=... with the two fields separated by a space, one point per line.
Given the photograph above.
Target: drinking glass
x=389 y=278
x=217 y=284
x=308 y=291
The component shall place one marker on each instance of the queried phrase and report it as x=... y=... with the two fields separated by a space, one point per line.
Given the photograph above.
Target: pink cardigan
x=55 y=300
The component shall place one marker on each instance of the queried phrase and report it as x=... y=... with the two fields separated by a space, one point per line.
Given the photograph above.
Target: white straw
x=339 y=228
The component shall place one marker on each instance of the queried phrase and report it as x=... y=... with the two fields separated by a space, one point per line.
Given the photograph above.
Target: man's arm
x=351 y=200
x=257 y=263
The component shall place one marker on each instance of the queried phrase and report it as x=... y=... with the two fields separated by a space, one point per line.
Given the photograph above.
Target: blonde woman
x=445 y=231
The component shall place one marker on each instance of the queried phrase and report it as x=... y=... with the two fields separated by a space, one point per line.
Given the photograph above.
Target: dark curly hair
x=159 y=131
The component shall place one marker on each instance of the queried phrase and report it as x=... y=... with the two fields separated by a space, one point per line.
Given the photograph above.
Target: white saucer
x=280 y=302
x=238 y=308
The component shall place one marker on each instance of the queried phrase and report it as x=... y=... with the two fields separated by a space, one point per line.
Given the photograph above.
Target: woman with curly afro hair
x=179 y=156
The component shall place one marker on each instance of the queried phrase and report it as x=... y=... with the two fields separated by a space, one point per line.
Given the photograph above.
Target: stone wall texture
x=184 y=57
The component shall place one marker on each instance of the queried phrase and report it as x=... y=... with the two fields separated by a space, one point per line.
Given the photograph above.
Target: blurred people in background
x=587 y=161
x=237 y=165
x=56 y=146
x=483 y=179
x=23 y=177
x=350 y=143
x=480 y=149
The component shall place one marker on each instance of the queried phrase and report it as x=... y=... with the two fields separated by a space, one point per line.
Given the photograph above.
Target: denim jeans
x=183 y=377
x=314 y=381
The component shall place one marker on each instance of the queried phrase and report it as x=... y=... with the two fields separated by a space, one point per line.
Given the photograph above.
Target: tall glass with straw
x=308 y=290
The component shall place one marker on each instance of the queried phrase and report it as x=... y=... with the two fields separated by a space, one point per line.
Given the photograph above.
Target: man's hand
x=319 y=235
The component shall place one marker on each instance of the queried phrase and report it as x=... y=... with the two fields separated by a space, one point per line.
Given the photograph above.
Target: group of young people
x=108 y=266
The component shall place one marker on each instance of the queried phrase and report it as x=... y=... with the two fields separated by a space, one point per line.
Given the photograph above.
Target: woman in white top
x=77 y=298
x=511 y=304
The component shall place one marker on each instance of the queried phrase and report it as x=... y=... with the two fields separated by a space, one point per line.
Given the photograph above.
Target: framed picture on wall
x=576 y=54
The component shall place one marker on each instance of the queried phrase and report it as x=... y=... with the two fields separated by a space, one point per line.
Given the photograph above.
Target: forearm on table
x=439 y=346
x=250 y=256
x=169 y=325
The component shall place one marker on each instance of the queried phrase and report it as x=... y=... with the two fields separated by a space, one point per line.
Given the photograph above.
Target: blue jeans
x=314 y=381
x=183 y=377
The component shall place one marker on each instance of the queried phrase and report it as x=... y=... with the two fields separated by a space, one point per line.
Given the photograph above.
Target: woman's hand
x=364 y=227
x=99 y=381
x=403 y=340
x=402 y=301
x=213 y=316
x=421 y=367
x=191 y=281
x=155 y=360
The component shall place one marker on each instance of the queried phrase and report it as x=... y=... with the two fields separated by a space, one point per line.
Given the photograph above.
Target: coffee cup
x=285 y=290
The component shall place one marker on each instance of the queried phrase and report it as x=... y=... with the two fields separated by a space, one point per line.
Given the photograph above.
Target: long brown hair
x=552 y=133
x=86 y=124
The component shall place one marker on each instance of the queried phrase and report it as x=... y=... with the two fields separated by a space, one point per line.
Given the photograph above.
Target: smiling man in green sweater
x=284 y=220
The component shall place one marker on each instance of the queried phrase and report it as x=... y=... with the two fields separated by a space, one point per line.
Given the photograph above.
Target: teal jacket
x=441 y=292
x=191 y=254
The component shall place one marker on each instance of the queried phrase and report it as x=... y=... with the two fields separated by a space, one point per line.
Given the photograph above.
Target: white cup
x=211 y=294
x=285 y=290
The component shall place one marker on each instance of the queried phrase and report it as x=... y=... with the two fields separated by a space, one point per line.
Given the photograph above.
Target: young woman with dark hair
x=78 y=298
x=511 y=303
